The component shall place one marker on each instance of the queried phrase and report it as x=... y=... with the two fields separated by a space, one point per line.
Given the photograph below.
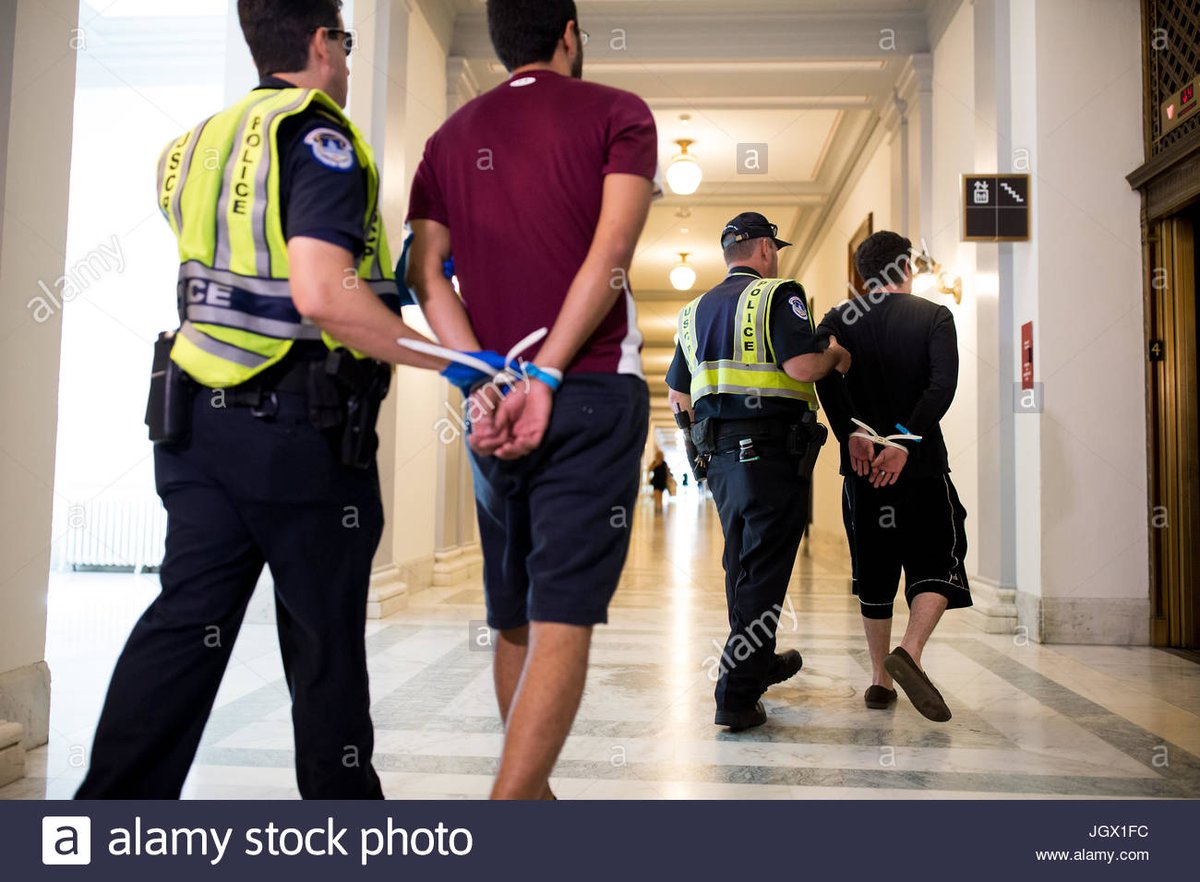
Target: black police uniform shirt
x=905 y=372
x=791 y=335
x=322 y=185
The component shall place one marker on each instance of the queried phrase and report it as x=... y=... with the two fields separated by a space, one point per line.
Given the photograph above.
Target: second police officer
x=742 y=381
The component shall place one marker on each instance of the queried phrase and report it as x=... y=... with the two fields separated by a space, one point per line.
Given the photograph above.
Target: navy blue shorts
x=555 y=525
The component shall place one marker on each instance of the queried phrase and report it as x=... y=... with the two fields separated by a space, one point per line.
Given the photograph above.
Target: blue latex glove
x=466 y=378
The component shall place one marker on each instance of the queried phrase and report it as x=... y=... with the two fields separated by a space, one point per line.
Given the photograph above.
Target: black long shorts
x=555 y=525
x=917 y=525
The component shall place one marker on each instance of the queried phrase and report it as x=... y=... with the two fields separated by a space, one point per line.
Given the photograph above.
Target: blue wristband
x=536 y=373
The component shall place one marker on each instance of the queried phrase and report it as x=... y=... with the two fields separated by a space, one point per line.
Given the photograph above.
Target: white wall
x=954 y=154
x=1087 y=135
x=420 y=394
x=1026 y=262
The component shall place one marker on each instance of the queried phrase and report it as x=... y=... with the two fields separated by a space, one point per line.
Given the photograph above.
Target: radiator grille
x=117 y=536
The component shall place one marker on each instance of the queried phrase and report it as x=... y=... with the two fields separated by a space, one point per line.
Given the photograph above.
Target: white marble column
x=457 y=557
x=993 y=579
x=37 y=93
x=377 y=106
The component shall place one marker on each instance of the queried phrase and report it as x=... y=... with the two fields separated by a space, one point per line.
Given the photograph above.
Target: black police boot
x=736 y=721
x=784 y=666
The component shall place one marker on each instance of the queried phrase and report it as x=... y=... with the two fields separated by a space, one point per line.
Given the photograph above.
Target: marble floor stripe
x=429 y=693
x=850 y=779
x=1132 y=740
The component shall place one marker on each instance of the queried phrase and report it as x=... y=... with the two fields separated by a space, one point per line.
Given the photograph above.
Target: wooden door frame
x=1173 y=435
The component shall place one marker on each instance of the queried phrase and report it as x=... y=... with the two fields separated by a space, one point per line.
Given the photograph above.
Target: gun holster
x=806 y=440
x=169 y=407
x=704 y=437
x=361 y=384
x=697 y=460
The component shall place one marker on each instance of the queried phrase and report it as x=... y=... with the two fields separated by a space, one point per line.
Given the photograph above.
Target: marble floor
x=1029 y=720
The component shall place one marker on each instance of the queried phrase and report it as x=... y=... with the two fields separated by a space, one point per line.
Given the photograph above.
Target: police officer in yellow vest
x=264 y=422
x=742 y=377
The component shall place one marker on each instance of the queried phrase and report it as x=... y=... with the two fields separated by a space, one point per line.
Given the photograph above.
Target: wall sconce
x=928 y=276
x=683 y=277
x=684 y=175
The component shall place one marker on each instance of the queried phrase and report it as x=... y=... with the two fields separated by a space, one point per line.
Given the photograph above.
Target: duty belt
x=758 y=430
x=291 y=376
x=713 y=435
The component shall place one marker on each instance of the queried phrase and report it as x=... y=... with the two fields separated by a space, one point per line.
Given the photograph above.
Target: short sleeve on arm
x=791 y=327
x=679 y=377
x=326 y=187
x=632 y=138
x=426 y=201
x=831 y=325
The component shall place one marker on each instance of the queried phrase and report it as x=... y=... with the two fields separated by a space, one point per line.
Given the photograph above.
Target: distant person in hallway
x=541 y=188
x=660 y=478
x=900 y=508
x=743 y=371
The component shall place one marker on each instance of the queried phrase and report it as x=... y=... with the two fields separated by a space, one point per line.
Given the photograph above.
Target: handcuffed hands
x=510 y=422
x=887 y=466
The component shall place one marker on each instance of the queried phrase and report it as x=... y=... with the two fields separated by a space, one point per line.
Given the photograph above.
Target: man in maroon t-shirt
x=540 y=189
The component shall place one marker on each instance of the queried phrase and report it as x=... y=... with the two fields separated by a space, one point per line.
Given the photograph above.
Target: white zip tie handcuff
x=885 y=440
x=505 y=374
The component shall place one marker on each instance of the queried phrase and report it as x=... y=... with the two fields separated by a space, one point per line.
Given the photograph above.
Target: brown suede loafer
x=920 y=691
x=880 y=697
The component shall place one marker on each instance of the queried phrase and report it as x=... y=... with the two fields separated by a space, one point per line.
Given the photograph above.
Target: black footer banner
x=922 y=840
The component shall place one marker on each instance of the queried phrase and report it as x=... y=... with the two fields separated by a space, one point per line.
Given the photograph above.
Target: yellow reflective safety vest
x=219 y=188
x=739 y=360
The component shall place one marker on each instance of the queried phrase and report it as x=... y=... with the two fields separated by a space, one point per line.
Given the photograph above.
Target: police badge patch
x=331 y=148
x=797 y=305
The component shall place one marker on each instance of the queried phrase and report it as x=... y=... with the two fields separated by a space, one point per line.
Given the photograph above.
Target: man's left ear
x=323 y=46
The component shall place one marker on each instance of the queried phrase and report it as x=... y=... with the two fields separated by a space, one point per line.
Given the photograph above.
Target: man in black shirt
x=744 y=371
x=899 y=506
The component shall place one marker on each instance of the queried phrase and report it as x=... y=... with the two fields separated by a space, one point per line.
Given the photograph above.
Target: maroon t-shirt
x=517 y=175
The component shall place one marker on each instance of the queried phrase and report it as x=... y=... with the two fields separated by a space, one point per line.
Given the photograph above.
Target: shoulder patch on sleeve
x=331 y=148
x=797 y=304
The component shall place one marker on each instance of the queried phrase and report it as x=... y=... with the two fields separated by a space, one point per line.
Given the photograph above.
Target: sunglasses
x=346 y=37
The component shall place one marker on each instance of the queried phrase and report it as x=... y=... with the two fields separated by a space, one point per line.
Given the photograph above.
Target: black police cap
x=750 y=225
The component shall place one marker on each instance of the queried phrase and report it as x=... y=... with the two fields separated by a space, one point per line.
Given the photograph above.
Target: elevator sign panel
x=1180 y=106
x=995 y=208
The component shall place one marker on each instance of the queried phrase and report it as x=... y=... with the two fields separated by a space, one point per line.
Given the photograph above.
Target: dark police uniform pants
x=242 y=493
x=764 y=509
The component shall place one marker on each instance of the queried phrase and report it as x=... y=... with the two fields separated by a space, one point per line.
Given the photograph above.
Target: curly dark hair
x=883 y=259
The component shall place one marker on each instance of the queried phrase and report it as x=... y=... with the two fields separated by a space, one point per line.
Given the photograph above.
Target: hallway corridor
x=1029 y=720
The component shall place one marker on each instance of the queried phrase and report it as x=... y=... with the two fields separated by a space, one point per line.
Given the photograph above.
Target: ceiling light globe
x=684 y=175
x=683 y=278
